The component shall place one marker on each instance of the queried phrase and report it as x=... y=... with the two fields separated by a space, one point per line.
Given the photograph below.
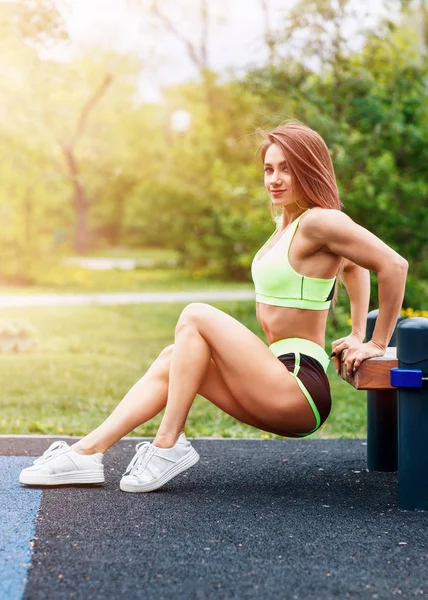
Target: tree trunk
x=80 y=203
x=80 y=200
x=119 y=209
x=81 y=238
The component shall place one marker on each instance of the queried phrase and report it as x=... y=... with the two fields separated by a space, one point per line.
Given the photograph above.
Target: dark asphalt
x=289 y=519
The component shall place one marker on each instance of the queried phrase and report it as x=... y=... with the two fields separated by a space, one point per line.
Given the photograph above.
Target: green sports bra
x=278 y=284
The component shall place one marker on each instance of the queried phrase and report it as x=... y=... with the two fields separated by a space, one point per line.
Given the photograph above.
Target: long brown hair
x=310 y=167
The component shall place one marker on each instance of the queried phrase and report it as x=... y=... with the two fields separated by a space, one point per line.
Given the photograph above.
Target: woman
x=281 y=388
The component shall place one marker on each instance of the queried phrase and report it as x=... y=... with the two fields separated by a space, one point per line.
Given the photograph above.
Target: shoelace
x=144 y=453
x=53 y=449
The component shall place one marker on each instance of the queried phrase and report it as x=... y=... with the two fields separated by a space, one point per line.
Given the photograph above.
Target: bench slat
x=373 y=373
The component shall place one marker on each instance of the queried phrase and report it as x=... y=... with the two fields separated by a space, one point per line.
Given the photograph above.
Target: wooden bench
x=373 y=373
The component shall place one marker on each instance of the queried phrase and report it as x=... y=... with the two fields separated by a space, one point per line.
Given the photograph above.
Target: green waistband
x=304 y=347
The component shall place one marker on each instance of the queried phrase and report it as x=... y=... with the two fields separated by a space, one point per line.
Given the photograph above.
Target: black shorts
x=313 y=377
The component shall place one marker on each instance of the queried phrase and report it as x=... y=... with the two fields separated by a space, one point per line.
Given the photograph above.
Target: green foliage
x=200 y=193
x=40 y=21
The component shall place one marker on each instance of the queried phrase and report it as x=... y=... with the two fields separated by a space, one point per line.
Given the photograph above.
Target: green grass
x=89 y=357
x=157 y=254
x=62 y=279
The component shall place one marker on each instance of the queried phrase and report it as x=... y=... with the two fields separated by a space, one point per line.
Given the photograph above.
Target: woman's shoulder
x=321 y=224
x=318 y=218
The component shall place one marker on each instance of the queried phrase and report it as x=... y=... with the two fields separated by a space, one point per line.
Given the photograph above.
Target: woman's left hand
x=354 y=352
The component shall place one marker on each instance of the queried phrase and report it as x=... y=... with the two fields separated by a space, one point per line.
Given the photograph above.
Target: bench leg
x=413 y=450
x=382 y=430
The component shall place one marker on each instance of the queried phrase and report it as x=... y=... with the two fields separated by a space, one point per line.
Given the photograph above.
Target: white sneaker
x=60 y=465
x=152 y=467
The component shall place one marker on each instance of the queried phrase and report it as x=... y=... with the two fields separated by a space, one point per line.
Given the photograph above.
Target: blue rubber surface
x=18 y=509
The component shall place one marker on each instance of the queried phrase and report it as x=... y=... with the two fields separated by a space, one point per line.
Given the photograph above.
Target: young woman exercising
x=281 y=388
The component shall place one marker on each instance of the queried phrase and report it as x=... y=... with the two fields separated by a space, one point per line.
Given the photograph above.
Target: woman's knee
x=192 y=315
x=166 y=355
x=160 y=366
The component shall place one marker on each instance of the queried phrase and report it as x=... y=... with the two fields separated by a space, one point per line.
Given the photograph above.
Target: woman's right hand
x=355 y=354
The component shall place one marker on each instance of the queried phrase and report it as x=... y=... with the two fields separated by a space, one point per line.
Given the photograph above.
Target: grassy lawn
x=89 y=357
x=157 y=254
x=61 y=279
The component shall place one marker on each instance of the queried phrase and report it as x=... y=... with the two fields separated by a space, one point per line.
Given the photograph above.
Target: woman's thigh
x=259 y=383
x=214 y=389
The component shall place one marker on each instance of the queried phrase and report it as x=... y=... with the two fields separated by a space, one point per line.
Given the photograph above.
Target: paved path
x=123 y=298
x=288 y=519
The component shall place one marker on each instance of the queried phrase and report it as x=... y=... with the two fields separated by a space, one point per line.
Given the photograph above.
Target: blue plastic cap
x=406 y=378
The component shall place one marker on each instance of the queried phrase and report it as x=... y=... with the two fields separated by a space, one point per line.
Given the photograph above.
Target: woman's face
x=277 y=177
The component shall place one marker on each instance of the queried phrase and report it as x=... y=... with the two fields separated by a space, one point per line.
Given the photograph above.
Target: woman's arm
x=357 y=284
x=391 y=285
x=335 y=232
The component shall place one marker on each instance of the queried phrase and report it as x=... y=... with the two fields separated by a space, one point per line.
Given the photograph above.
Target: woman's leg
x=258 y=382
x=219 y=358
x=215 y=355
x=148 y=397
x=142 y=402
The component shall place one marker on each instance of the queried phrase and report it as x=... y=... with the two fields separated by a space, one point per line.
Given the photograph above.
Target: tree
x=69 y=147
x=269 y=36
